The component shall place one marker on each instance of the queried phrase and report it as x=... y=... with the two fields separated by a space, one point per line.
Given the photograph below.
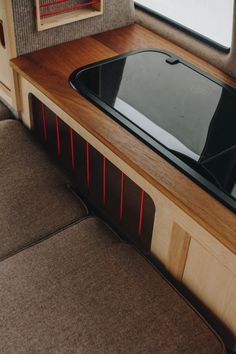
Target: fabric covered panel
x=116 y=14
x=83 y=291
x=34 y=198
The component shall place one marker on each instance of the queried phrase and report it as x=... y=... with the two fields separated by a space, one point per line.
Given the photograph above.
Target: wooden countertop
x=49 y=70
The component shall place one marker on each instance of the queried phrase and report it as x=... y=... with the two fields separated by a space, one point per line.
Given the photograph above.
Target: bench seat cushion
x=84 y=291
x=34 y=198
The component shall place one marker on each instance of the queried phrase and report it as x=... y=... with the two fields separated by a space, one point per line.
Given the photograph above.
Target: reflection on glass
x=186 y=112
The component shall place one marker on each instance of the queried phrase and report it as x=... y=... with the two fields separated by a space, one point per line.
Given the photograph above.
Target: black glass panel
x=168 y=103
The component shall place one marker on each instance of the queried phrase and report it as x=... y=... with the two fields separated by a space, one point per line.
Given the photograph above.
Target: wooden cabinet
x=51 y=14
x=213 y=282
x=193 y=235
x=201 y=263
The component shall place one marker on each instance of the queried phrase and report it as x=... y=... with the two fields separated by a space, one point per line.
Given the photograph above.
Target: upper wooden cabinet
x=51 y=14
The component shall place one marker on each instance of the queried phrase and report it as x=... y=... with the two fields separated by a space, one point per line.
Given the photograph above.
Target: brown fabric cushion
x=34 y=199
x=83 y=291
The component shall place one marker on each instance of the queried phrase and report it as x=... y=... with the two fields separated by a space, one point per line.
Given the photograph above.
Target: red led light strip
x=51 y=13
x=52 y=3
x=58 y=136
x=44 y=122
x=122 y=196
x=87 y=166
x=140 y=226
x=72 y=149
x=104 y=180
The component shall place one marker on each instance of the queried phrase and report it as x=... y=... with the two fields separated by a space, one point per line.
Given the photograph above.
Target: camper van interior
x=118 y=176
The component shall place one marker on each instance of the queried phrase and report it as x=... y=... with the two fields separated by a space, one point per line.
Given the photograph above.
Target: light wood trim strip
x=178 y=251
x=10 y=29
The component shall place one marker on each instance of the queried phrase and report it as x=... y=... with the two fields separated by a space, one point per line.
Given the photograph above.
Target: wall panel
x=28 y=39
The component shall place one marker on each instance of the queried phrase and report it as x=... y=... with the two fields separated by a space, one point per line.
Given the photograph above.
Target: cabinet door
x=213 y=283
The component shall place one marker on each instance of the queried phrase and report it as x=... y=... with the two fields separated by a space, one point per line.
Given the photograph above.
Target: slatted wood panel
x=121 y=202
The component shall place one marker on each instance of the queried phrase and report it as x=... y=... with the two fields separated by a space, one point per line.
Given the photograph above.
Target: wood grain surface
x=49 y=70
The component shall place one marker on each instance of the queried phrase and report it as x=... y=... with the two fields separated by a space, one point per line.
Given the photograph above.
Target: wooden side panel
x=178 y=251
x=211 y=282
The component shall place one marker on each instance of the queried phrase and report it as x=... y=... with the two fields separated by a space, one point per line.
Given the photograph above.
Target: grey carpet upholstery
x=28 y=39
x=84 y=291
x=5 y=113
x=34 y=198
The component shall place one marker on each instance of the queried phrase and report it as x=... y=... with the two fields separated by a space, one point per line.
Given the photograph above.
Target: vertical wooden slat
x=178 y=251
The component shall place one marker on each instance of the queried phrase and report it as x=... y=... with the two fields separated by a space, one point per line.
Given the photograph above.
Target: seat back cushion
x=34 y=198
